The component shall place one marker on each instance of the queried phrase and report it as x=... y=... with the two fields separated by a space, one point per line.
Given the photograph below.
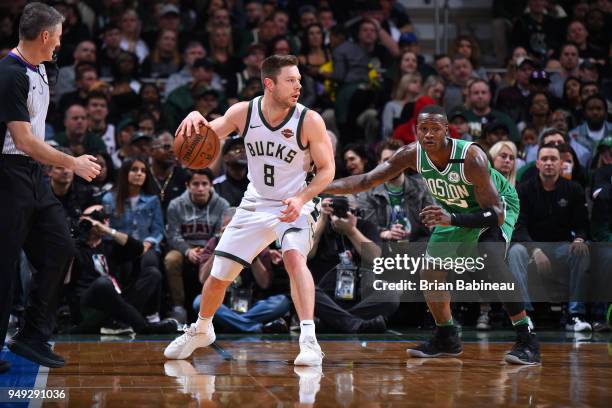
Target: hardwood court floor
x=357 y=372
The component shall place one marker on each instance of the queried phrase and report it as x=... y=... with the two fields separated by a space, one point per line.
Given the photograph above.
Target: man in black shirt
x=339 y=245
x=553 y=225
x=30 y=216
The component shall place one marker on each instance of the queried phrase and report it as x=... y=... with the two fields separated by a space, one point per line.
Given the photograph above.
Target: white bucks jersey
x=278 y=163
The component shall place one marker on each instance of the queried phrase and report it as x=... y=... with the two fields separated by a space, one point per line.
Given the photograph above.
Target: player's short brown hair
x=272 y=65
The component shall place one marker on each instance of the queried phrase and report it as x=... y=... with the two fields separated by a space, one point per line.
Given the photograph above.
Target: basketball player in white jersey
x=283 y=139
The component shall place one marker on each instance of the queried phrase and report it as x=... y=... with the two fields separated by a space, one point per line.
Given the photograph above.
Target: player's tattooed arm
x=404 y=158
x=477 y=172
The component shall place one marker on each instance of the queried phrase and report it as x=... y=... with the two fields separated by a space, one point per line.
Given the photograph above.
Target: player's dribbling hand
x=433 y=215
x=292 y=212
x=86 y=167
x=191 y=124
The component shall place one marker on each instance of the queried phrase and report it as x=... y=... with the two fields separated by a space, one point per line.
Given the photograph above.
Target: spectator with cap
x=481 y=113
x=181 y=101
x=569 y=60
x=457 y=119
x=125 y=131
x=193 y=52
x=141 y=145
x=512 y=99
x=76 y=137
x=208 y=103
x=594 y=128
x=540 y=82
x=233 y=183
x=493 y=132
x=193 y=219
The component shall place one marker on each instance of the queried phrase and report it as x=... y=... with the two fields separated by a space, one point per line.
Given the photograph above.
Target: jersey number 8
x=269 y=175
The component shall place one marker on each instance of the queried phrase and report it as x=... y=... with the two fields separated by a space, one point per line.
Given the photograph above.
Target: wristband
x=478 y=219
x=113 y=232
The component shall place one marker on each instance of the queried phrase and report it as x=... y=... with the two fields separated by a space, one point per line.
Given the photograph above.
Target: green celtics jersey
x=455 y=193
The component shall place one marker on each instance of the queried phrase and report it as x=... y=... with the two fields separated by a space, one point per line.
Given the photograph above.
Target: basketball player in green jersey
x=477 y=205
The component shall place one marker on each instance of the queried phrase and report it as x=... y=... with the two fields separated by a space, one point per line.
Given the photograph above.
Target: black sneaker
x=525 y=351
x=444 y=343
x=166 y=326
x=35 y=350
x=4 y=366
x=375 y=325
x=276 y=326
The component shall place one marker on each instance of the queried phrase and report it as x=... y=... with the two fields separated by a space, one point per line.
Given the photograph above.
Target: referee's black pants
x=33 y=219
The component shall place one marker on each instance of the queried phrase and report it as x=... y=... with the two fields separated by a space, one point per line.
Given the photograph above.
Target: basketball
x=198 y=151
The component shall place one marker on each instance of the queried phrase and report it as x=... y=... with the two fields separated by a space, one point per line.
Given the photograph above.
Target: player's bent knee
x=293 y=260
x=225 y=269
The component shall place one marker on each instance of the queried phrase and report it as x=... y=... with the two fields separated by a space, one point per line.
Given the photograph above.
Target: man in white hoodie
x=192 y=219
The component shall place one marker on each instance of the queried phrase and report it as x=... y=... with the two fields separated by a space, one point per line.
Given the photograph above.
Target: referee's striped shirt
x=24 y=97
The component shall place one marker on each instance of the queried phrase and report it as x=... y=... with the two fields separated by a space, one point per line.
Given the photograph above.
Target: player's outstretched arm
x=476 y=169
x=222 y=126
x=84 y=166
x=404 y=158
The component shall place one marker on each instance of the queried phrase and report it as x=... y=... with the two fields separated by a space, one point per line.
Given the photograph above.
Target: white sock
x=203 y=323
x=307 y=329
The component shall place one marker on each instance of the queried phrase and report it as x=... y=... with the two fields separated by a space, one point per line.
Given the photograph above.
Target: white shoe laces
x=189 y=332
x=311 y=345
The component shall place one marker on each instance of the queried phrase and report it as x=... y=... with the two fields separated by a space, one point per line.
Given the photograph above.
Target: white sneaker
x=183 y=346
x=577 y=325
x=310 y=353
x=483 y=321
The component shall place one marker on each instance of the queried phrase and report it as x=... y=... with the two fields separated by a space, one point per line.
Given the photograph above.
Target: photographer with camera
x=342 y=240
x=106 y=279
x=394 y=206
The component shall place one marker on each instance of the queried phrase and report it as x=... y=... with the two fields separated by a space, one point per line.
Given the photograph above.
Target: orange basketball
x=197 y=151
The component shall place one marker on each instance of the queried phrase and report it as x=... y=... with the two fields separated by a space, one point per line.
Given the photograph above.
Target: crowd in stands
x=129 y=71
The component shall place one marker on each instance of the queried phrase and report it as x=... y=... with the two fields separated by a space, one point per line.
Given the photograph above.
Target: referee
x=30 y=216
